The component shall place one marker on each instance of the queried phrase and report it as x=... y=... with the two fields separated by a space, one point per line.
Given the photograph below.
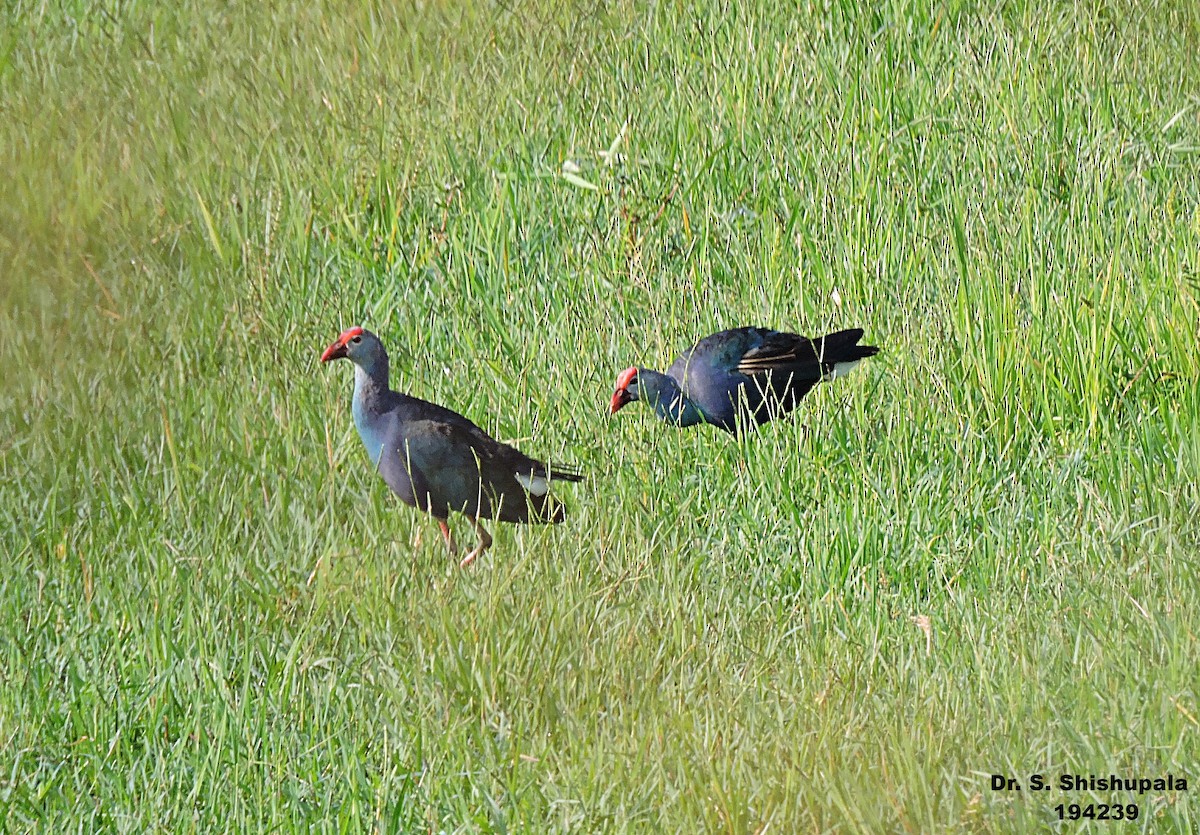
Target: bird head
x=356 y=344
x=627 y=390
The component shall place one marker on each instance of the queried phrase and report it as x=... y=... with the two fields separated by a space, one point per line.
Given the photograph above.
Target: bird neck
x=669 y=402
x=375 y=371
x=370 y=388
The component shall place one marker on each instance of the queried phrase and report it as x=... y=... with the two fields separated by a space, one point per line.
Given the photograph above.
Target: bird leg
x=450 y=543
x=485 y=542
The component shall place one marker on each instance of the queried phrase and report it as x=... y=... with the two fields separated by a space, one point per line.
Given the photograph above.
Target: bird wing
x=765 y=371
x=793 y=353
x=485 y=446
x=455 y=465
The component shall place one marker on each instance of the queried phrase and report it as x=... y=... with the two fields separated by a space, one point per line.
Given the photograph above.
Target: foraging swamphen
x=741 y=375
x=438 y=461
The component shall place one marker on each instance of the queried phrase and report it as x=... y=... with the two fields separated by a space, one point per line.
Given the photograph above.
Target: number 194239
x=1097 y=811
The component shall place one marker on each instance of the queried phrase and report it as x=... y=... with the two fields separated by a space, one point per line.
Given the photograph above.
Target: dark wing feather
x=761 y=372
x=452 y=464
x=807 y=359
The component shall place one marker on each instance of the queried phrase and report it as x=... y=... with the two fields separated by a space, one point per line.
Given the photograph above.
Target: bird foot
x=485 y=542
x=470 y=557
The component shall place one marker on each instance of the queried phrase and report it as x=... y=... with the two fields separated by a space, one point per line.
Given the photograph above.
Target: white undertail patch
x=841 y=369
x=535 y=484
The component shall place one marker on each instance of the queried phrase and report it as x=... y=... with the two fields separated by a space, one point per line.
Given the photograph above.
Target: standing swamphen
x=438 y=461
x=742 y=374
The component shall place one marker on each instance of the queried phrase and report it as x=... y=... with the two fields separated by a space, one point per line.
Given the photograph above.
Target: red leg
x=485 y=542
x=449 y=537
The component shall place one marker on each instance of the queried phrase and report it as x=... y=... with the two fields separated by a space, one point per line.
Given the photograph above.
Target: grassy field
x=977 y=555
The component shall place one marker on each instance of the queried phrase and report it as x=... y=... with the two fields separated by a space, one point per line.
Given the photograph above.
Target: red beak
x=338 y=349
x=620 y=399
x=334 y=352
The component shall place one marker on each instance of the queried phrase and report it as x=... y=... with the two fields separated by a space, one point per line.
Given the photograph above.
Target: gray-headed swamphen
x=741 y=378
x=438 y=461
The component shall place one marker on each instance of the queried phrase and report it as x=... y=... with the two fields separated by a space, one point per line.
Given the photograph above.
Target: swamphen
x=739 y=375
x=438 y=461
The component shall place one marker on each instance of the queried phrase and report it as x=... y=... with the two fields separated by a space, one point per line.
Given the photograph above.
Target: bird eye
x=356 y=340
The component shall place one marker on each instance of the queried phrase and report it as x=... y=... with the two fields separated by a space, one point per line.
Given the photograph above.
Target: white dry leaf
x=925 y=625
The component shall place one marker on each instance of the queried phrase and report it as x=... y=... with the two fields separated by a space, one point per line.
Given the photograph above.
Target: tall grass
x=975 y=556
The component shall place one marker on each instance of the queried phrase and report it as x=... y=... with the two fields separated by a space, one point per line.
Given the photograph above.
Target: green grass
x=216 y=619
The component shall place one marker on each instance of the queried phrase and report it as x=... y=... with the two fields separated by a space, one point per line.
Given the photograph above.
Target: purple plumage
x=438 y=461
x=741 y=378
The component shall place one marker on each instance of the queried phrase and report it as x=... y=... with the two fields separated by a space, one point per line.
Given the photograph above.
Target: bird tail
x=840 y=352
x=546 y=508
x=558 y=472
x=535 y=503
